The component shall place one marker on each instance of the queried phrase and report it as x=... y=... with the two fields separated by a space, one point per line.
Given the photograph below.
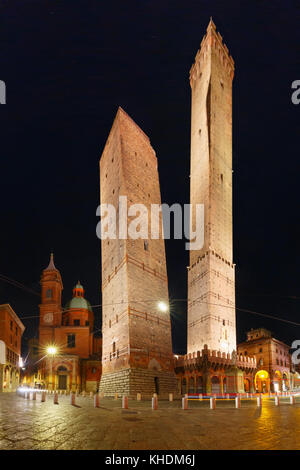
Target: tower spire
x=51 y=265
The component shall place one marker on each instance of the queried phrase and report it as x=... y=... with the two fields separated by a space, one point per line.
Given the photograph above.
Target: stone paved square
x=26 y=424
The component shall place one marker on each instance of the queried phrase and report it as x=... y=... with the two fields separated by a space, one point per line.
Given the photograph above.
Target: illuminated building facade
x=70 y=353
x=273 y=361
x=11 y=331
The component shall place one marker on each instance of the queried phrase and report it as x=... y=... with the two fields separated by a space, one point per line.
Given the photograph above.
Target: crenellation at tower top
x=212 y=41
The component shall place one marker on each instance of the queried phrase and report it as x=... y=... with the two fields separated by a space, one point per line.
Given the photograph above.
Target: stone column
x=73 y=387
x=206 y=382
x=221 y=385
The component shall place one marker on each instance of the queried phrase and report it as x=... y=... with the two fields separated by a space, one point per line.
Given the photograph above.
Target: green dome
x=79 y=302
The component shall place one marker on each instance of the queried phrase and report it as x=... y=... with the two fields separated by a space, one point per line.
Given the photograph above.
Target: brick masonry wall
x=132 y=381
x=211 y=284
x=134 y=276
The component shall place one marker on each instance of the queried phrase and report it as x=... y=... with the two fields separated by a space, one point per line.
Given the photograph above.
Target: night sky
x=69 y=65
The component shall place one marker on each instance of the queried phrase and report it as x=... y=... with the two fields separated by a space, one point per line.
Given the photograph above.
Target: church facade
x=69 y=352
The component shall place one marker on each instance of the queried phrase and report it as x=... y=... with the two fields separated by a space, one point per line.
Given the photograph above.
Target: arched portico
x=262 y=381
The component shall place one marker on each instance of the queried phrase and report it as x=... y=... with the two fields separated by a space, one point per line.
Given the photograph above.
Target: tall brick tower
x=50 y=307
x=211 y=284
x=137 y=346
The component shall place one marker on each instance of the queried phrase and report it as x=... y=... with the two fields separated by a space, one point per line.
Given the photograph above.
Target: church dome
x=78 y=301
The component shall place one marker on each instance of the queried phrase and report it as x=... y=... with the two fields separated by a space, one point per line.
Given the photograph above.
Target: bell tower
x=211 y=280
x=50 y=306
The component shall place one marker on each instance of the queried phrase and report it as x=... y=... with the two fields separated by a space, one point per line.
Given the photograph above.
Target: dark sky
x=69 y=65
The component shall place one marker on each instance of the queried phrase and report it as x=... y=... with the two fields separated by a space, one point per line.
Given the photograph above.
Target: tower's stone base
x=129 y=382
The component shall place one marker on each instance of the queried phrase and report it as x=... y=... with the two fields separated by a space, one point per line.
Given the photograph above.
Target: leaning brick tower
x=137 y=346
x=211 y=280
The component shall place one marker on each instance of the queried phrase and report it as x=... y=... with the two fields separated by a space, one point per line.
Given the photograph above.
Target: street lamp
x=51 y=350
x=163 y=307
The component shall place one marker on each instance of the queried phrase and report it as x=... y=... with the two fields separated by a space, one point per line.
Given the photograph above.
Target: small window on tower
x=49 y=293
x=146 y=245
x=221 y=176
x=222 y=84
x=76 y=322
x=114 y=347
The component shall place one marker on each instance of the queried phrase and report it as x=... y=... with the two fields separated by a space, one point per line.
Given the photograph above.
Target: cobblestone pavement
x=26 y=424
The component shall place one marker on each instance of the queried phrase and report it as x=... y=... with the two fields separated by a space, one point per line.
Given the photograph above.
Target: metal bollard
x=72 y=398
x=292 y=399
x=55 y=398
x=170 y=396
x=138 y=396
x=184 y=403
x=238 y=401
x=154 y=403
x=212 y=403
x=277 y=400
x=259 y=401
x=125 y=403
x=43 y=397
x=96 y=401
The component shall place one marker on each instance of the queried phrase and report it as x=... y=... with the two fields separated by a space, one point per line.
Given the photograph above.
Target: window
x=87 y=323
x=260 y=350
x=223 y=322
x=245 y=353
x=49 y=293
x=76 y=322
x=114 y=347
x=16 y=331
x=146 y=245
x=71 y=341
x=11 y=325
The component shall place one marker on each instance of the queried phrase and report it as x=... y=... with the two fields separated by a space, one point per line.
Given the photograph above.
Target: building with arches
x=274 y=367
x=11 y=331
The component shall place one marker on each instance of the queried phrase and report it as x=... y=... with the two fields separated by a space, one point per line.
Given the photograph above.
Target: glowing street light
x=51 y=350
x=163 y=307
